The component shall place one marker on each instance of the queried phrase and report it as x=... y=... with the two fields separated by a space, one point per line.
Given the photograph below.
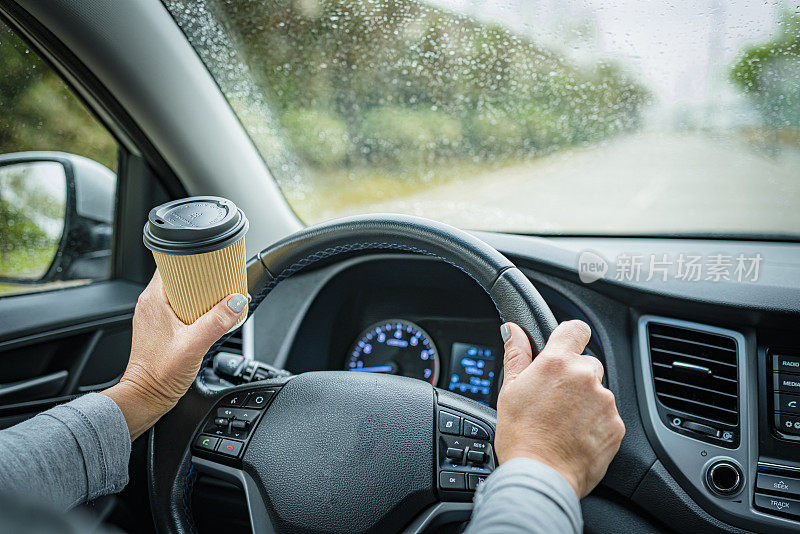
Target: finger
x=212 y=325
x=570 y=337
x=517 y=350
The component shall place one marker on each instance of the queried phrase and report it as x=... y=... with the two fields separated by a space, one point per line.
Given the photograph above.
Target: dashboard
x=426 y=320
x=705 y=374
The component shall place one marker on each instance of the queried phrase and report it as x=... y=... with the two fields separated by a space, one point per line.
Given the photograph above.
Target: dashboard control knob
x=724 y=478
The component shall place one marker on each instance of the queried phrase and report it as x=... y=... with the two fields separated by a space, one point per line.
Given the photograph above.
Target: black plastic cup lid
x=194 y=225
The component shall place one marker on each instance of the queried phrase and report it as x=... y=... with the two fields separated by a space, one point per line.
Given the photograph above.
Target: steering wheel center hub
x=345 y=452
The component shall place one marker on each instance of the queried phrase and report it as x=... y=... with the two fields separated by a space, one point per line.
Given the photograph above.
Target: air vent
x=695 y=373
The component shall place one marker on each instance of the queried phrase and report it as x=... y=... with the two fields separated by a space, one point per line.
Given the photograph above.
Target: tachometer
x=395 y=346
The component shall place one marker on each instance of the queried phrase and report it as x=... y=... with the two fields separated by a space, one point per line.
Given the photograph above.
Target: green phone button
x=208 y=443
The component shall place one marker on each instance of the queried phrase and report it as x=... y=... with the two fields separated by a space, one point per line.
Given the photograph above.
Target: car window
x=57 y=179
x=573 y=117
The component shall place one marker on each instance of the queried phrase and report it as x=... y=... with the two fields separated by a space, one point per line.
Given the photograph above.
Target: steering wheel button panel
x=449 y=423
x=463 y=461
x=228 y=425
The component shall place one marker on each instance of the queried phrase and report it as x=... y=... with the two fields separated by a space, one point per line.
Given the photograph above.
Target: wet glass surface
x=531 y=116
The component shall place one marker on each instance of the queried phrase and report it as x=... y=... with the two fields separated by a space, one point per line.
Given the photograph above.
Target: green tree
x=40 y=112
x=412 y=83
x=769 y=73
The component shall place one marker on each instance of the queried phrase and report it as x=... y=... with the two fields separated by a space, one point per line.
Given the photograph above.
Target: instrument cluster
x=402 y=347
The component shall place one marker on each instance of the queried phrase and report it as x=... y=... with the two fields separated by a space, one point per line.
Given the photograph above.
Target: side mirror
x=56 y=217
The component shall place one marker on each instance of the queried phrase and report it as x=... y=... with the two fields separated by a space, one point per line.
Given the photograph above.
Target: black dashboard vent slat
x=694 y=372
x=690 y=386
x=694 y=342
x=693 y=357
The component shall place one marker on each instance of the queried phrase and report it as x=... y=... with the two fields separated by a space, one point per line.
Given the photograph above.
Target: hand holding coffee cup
x=198 y=246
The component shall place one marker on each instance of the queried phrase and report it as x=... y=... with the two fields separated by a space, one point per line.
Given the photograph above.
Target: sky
x=680 y=50
x=38 y=176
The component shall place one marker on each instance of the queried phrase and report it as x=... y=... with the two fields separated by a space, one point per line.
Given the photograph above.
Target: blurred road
x=639 y=184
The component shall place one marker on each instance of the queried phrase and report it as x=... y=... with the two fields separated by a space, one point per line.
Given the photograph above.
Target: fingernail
x=505 y=332
x=237 y=302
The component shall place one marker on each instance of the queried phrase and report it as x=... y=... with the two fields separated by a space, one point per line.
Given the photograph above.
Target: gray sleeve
x=524 y=495
x=67 y=455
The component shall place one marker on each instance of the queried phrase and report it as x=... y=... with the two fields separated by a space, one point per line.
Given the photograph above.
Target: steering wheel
x=333 y=451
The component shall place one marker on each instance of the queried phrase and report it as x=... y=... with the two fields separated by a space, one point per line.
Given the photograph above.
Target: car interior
x=374 y=253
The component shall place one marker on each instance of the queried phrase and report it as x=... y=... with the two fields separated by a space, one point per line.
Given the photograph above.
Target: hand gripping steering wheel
x=339 y=452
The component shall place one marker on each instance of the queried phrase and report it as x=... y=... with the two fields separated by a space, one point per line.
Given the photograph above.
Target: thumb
x=569 y=337
x=518 y=354
x=213 y=324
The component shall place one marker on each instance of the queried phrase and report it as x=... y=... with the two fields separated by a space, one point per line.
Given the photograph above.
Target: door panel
x=57 y=344
x=65 y=312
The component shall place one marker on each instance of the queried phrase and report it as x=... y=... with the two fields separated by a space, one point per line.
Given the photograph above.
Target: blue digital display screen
x=472 y=371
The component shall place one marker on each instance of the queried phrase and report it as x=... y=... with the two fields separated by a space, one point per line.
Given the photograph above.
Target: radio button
x=786 y=363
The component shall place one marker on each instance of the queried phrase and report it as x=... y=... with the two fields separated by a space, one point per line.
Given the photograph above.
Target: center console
x=722 y=410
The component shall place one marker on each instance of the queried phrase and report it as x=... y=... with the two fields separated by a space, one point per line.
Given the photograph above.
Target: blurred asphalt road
x=650 y=184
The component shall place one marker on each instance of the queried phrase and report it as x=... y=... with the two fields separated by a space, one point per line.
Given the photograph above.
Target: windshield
x=531 y=116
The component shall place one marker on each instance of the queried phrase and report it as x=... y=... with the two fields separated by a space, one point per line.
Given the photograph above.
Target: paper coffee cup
x=198 y=245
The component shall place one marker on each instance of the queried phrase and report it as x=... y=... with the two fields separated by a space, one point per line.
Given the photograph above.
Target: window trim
x=140 y=168
x=86 y=87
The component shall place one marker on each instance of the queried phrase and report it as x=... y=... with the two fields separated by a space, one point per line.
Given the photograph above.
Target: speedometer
x=395 y=346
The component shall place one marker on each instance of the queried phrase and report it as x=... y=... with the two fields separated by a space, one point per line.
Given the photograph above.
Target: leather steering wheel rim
x=170 y=470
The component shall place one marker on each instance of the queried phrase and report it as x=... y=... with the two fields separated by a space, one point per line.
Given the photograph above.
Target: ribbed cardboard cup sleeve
x=195 y=283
